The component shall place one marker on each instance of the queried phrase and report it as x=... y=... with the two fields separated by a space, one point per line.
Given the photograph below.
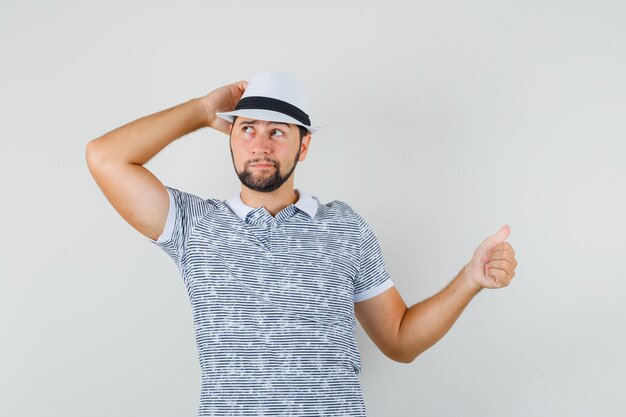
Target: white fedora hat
x=273 y=96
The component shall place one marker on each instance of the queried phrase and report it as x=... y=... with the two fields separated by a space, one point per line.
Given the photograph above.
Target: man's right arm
x=116 y=159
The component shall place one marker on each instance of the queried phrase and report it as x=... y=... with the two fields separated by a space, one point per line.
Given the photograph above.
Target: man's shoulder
x=338 y=208
x=192 y=204
x=191 y=197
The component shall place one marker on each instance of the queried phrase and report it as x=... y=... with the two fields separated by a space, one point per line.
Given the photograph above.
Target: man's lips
x=262 y=165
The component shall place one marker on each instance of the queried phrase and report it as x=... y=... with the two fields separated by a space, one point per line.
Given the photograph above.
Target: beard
x=260 y=180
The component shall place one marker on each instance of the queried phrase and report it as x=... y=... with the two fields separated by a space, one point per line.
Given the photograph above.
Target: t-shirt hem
x=169 y=222
x=372 y=292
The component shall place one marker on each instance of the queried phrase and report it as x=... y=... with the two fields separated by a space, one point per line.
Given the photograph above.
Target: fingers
x=500 y=277
x=503 y=246
x=503 y=264
x=501 y=271
x=500 y=254
x=502 y=251
x=500 y=264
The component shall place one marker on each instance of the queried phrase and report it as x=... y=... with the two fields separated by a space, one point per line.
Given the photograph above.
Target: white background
x=442 y=121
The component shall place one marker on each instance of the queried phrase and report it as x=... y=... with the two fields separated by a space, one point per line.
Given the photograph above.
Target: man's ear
x=304 y=148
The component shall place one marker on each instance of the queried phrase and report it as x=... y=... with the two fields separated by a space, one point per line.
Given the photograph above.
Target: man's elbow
x=404 y=357
x=93 y=154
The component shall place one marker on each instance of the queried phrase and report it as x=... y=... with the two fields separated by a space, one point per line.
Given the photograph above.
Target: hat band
x=268 y=103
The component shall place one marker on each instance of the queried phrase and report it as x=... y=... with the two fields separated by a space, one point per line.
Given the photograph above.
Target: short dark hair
x=301 y=129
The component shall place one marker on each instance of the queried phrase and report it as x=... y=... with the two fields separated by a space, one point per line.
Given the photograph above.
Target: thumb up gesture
x=493 y=264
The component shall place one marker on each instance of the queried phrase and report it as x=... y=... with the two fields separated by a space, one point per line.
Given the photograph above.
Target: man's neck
x=273 y=201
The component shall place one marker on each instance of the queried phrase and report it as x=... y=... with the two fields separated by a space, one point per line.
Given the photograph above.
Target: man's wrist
x=207 y=113
x=467 y=280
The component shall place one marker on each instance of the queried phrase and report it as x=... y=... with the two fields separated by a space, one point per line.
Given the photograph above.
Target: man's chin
x=262 y=189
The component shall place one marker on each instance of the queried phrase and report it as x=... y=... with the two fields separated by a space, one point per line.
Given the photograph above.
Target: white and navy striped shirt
x=273 y=302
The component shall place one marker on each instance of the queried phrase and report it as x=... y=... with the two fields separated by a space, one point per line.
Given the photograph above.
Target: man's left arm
x=403 y=333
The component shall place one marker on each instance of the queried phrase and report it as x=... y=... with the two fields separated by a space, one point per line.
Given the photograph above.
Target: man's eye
x=279 y=132
x=246 y=127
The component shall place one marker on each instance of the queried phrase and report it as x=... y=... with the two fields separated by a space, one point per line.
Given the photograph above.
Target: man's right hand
x=222 y=99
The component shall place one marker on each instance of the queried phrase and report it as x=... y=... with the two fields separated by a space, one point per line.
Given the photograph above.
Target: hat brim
x=269 y=115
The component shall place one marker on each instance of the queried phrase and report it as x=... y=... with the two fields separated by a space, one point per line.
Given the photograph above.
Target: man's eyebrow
x=251 y=122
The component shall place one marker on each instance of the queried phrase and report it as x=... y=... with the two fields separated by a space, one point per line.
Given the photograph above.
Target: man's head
x=278 y=145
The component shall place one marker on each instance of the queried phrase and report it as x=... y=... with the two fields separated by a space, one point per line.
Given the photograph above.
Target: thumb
x=243 y=84
x=493 y=240
x=502 y=234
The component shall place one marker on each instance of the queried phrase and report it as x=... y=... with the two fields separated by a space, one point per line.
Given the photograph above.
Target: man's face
x=265 y=154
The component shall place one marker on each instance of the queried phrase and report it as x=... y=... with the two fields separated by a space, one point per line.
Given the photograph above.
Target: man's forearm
x=139 y=141
x=424 y=323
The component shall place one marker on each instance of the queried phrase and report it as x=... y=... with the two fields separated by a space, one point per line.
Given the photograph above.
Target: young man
x=275 y=277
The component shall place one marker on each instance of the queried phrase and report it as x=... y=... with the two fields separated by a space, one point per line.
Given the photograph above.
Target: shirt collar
x=306 y=203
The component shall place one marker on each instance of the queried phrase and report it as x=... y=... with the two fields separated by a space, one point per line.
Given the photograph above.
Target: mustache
x=261 y=161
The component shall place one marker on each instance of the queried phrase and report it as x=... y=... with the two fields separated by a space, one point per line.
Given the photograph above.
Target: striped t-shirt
x=273 y=302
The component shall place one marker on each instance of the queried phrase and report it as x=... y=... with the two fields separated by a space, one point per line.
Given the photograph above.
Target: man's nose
x=261 y=143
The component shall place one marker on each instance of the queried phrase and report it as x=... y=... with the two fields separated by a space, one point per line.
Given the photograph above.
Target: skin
x=116 y=161
x=403 y=333
x=278 y=144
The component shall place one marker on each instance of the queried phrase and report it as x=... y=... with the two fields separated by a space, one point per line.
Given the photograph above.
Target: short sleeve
x=372 y=277
x=185 y=212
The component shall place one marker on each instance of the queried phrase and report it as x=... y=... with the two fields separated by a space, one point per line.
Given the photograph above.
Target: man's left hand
x=493 y=264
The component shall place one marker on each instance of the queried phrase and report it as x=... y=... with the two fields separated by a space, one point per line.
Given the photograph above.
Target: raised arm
x=116 y=159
